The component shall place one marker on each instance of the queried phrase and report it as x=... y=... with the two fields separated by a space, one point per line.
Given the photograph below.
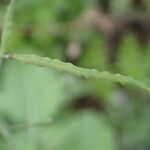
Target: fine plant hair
x=59 y=65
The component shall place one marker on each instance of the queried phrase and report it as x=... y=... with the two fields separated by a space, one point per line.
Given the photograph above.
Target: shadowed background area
x=45 y=109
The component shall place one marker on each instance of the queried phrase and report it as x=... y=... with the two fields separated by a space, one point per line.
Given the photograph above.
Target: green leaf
x=37 y=89
x=85 y=131
x=31 y=95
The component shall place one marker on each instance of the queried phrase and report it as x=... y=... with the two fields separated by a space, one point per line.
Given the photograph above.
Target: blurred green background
x=42 y=109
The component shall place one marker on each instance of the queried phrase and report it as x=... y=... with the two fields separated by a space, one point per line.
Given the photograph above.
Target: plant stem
x=78 y=71
x=7 y=27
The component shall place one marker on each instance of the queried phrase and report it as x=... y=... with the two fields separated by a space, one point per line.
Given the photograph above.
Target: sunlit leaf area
x=75 y=75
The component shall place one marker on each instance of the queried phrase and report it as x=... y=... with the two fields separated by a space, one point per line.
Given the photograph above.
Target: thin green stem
x=78 y=71
x=7 y=27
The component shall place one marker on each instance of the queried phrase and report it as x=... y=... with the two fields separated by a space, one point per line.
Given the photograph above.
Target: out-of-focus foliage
x=31 y=96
